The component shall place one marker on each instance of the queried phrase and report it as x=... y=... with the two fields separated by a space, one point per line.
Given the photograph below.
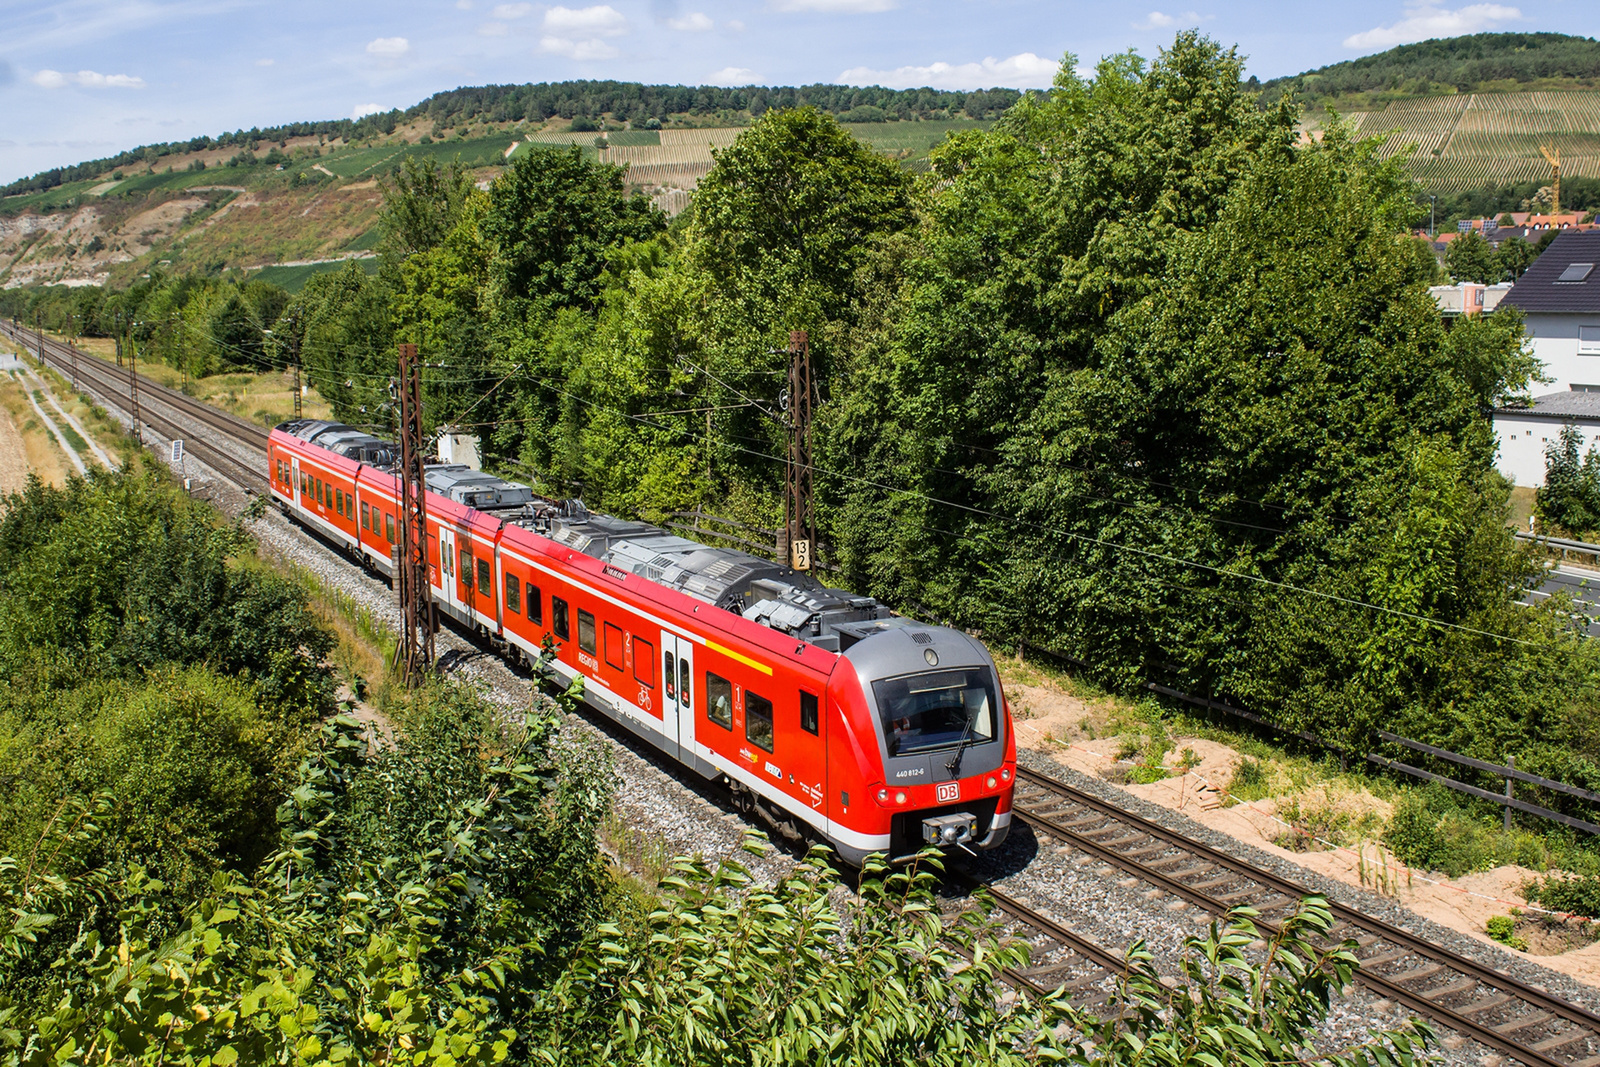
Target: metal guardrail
x=1558 y=542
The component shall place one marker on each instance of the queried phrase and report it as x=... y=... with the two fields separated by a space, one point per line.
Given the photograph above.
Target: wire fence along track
x=1475 y=1000
x=112 y=384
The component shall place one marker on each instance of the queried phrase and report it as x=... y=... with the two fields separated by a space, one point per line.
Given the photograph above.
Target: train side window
x=338 y=502
x=719 y=700
x=614 y=657
x=644 y=663
x=685 y=685
x=558 y=617
x=586 y=631
x=513 y=594
x=466 y=568
x=808 y=712
x=670 y=674
x=366 y=516
x=758 y=720
x=535 y=605
x=388 y=527
x=485 y=579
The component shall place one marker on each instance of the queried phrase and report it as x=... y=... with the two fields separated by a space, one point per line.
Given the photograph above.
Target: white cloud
x=592 y=48
x=493 y=29
x=464 y=5
x=265 y=62
x=389 y=47
x=87 y=79
x=839 y=7
x=512 y=11
x=694 y=22
x=361 y=111
x=735 y=25
x=1022 y=71
x=733 y=76
x=601 y=20
x=1423 y=21
x=1160 y=20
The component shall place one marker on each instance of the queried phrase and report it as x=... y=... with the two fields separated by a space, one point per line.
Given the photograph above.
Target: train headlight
x=991 y=782
x=883 y=796
x=900 y=797
x=1005 y=774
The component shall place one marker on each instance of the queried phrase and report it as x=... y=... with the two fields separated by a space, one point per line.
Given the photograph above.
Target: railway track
x=111 y=383
x=1475 y=1000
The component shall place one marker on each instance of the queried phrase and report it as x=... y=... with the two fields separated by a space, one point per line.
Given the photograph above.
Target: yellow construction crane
x=1553 y=157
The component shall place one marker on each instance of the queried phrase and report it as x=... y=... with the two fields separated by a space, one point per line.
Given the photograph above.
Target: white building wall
x=1524 y=439
x=1555 y=341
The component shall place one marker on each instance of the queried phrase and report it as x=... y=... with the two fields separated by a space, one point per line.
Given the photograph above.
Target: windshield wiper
x=954 y=766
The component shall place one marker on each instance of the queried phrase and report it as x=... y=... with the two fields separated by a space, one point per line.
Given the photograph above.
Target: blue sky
x=86 y=78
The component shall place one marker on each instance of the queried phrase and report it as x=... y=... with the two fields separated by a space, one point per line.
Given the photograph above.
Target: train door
x=294 y=482
x=447 y=570
x=677 y=689
x=808 y=763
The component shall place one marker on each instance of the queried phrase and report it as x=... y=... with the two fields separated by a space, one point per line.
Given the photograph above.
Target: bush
x=1503 y=928
x=1578 y=896
x=1429 y=830
x=584 y=125
x=194 y=763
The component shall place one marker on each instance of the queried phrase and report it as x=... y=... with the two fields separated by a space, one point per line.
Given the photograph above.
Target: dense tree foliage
x=1451 y=64
x=1471 y=258
x=1569 y=499
x=1135 y=376
x=1578 y=193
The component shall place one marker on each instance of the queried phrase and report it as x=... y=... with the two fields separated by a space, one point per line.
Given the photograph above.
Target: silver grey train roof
x=761 y=590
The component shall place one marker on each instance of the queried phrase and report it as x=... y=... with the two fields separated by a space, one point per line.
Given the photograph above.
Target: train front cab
x=909 y=702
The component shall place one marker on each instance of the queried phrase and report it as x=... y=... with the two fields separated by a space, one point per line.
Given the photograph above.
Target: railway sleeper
x=1427 y=970
x=1460 y=985
x=1571 y=1037
x=1523 y=1023
x=1481 y=1006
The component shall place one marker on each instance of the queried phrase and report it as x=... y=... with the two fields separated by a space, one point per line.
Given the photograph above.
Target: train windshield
x=930 y=711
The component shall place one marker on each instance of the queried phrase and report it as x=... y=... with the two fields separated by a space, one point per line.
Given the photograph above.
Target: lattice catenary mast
x=415 y=655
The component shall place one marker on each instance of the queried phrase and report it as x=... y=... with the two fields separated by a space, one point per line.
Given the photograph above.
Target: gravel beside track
x=672 y=812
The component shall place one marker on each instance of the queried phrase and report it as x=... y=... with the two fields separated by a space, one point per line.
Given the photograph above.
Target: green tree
x=1471 y=258
x=1570 y=496
x=1513 y=257
x=552 y=219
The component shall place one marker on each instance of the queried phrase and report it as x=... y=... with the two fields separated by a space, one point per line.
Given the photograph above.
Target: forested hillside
x=1475 y=63
x=593 y=102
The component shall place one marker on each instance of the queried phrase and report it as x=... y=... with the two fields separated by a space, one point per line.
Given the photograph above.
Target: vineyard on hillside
x=1476 y=139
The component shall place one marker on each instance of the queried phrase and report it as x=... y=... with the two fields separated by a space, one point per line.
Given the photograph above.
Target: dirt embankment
x=1085 y=733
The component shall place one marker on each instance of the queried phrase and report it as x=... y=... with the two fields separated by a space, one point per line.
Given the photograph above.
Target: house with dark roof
x=1560 y=301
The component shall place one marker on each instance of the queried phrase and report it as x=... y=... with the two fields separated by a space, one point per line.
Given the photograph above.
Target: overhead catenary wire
x=1080 y=537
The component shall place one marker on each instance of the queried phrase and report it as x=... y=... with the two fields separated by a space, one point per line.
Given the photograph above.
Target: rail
x=1474 y=999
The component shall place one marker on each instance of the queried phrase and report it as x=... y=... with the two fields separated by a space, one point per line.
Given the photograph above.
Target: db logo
x=948 y=791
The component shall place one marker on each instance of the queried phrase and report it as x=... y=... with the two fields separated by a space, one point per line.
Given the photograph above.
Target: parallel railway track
x=111 y=383
x=1475 y=1000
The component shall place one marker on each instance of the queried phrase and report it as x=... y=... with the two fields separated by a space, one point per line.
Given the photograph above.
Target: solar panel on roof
x=1577 y=272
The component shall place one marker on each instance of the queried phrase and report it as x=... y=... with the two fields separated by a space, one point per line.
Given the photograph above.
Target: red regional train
x=826 y=715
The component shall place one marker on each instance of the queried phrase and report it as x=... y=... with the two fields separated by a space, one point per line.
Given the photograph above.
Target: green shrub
x=1578 y=895
x=1503 y=928
x=1429 y=830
